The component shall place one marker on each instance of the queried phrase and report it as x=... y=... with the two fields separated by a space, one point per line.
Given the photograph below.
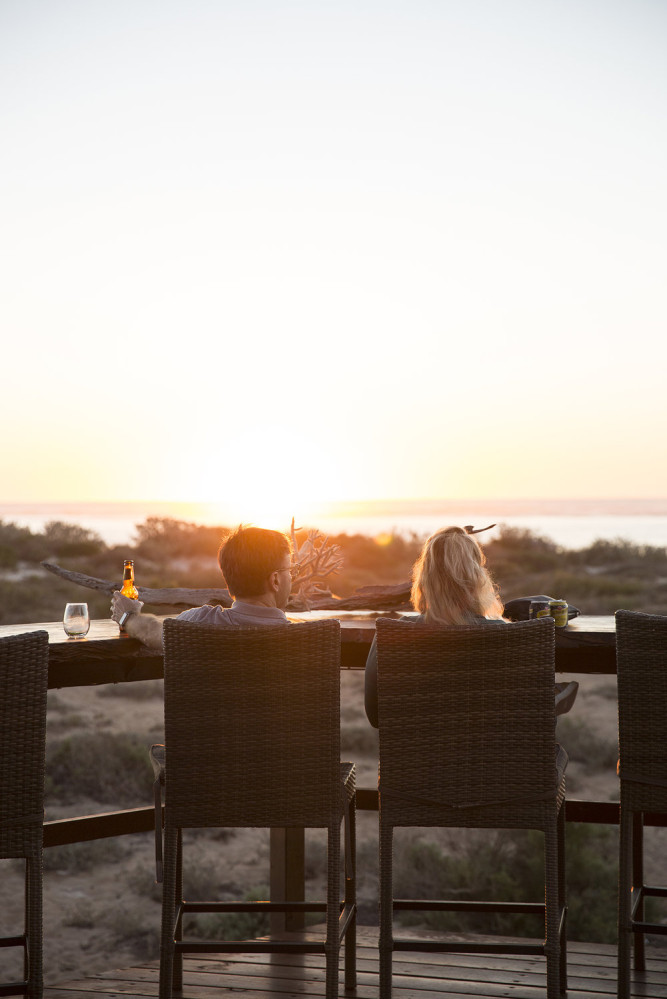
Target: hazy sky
x=273 y=252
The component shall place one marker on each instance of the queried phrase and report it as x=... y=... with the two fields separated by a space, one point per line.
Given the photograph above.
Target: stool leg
x=351 y=894
x=168 y=913
x=624 y=900
x=27 y=901
x=178 y=931
x=552 y=914
x=332 y=943
x=637 y=882
x=386 y=909
x=562 y=899
x=34 y=927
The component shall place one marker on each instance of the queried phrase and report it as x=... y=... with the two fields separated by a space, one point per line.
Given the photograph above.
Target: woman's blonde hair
x=451 y=584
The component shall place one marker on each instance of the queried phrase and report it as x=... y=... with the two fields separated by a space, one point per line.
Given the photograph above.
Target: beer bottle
x=129 y=589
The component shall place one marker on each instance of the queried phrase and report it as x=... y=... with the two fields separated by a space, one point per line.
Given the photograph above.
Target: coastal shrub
x=19 y=544
x=131 y=928
x=81 y=916
x=77 y=857
x=64 y=722
x=64 y=539
x=139 y=690
x=43 y=598
x=497 y=867
x=519 y=551
x=231 y=925
x=585 y=746
x=58 y=538
x=8 y=557
x=110 y=769
x=358 y=740
x=140 y=879
x=580 y=586
x=592 y=882
x=619 y=554
x=164 y=538
x=508 y=866
x=386 y=559
x=597 y=579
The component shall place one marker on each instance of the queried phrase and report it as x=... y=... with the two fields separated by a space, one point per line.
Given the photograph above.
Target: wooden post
x=287 y=877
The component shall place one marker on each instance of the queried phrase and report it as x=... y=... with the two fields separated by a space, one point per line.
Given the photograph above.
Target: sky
x=278 y=253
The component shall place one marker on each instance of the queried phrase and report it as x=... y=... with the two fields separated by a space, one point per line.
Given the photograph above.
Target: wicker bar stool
x=24 y=664
x=641 y=665
x=252 y=739
x=466 y=725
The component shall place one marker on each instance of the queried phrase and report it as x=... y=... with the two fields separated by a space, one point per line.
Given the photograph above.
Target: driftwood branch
x=369 y=598
x=366 y=598
x=169 y=596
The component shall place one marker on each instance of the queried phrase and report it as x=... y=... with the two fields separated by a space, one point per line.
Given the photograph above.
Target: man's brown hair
x=249 y=556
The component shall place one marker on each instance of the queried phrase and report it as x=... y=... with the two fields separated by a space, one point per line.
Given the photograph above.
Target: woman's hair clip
x=469 y=529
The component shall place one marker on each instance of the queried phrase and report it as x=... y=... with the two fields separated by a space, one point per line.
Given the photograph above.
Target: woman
x=452 y=586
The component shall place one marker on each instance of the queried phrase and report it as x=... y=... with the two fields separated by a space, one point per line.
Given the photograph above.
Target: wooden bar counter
x=587 y=645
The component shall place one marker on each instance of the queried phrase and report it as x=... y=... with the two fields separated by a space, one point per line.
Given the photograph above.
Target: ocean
x=569 y=523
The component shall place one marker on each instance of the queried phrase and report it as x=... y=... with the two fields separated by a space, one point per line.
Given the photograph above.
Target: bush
x=77 y=857
x=387 y=559
x=592 y=882
x=163 y=538
x=19 y=544
x=71 y=540
x=110 y=769
x=584 y=746
x=358 y=739
x=518 y=551
x=509 y=866
x=597 y=579
x=232 y=925
x=131 y=929
x=502 y=867
x=8 y=557
x=139 y=690
x=618 y=555
x=43 y=598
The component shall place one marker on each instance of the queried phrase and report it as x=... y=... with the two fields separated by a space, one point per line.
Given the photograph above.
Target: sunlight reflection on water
x=116 y=523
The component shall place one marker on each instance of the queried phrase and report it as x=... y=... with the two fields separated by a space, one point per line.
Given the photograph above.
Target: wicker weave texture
x=490 y=691
x=252 y=738
x=641 y=664
x=466 y=725
x=24 y=664
x=252 y=725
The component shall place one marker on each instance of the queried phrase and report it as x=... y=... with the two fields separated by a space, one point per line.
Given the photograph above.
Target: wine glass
x=76 y=621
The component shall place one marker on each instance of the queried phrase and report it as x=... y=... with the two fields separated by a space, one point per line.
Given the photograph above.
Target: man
x=257 y=566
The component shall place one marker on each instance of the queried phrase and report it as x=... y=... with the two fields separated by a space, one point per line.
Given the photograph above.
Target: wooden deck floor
x=591 y=975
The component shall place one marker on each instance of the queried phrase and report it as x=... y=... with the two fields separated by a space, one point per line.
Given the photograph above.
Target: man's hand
x=146 y=627
x=123 y=605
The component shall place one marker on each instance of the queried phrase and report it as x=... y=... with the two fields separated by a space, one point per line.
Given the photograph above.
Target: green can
x=558 y=611
x=539 y=608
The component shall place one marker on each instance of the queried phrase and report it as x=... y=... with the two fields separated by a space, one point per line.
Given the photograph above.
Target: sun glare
x=259 y=480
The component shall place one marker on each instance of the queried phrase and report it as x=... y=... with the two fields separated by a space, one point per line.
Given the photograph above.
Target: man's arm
x=146 y=627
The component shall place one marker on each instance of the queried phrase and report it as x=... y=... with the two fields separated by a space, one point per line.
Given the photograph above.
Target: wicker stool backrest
x=24 y=665
x=466 y=714
x=252 y=725
x=641 y=664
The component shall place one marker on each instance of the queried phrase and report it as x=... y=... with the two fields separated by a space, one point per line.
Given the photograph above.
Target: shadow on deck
x=591 y=975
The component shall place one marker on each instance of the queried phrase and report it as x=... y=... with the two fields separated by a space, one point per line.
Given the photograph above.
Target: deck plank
x=430 y=977
x=591 y=975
